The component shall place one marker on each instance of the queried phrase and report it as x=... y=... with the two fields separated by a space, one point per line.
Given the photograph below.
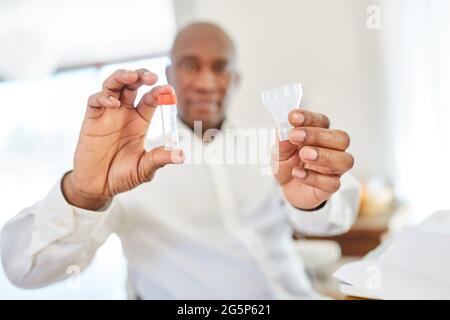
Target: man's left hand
x=310 y=164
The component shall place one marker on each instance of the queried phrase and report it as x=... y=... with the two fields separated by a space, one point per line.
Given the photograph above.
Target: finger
x=319 y=169
x=157 y=158
x=305 y=118
x=130 y=91
x=103 y=100
x=97 y=103
x=338 y=162
x=327 y=183
x=149 y=101
x=320 y=137
x=283 y=150
x=282 y=170
x=146 y=77
x=118 y=80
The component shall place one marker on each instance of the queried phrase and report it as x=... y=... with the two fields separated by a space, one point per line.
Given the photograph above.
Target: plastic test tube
x=279 y=102
x=169 y=120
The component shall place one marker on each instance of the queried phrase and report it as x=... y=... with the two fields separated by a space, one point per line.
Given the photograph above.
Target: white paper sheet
x=415 y=265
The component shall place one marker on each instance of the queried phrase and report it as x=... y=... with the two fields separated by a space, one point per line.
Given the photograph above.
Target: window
x=417 y=50
x=42 y=115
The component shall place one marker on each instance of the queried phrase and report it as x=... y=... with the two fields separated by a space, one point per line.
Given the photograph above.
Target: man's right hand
x=110 y=157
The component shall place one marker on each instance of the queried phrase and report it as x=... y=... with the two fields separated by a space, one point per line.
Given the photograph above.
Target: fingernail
x=299 y=173
x=127 y=71
x=297 y=135
x=114 y=101
x=298 y=117
x=310 y=154
x=177 y=156
x=149 y=74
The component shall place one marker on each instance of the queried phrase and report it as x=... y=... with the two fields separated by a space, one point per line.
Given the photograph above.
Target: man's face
x=202 y=74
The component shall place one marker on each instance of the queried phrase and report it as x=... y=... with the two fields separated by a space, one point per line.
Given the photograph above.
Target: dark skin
x=310 y=165
x=110 y=157
x=203 y=74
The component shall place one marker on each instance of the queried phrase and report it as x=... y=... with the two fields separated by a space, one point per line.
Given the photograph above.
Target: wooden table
x=363 y=237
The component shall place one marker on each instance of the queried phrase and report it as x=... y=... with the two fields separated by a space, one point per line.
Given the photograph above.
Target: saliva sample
x=168 y=106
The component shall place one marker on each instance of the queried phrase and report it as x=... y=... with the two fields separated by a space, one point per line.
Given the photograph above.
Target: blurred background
x=379 y=69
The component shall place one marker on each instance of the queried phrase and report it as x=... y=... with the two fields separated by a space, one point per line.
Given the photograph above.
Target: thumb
x=284 y=158
x=157 y=158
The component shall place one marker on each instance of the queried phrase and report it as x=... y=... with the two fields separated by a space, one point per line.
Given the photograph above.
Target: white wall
x=324 y=44
x=38 y=37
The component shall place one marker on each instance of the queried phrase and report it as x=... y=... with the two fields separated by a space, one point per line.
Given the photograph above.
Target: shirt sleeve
x=336 y=217
x=41 y=242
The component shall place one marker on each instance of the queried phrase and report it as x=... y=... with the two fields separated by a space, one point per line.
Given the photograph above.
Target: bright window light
x=39 y=128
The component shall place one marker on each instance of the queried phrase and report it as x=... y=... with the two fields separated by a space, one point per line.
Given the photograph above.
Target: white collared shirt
x=196 y=231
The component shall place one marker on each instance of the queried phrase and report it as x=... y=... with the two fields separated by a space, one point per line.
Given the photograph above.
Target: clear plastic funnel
x=279 y=102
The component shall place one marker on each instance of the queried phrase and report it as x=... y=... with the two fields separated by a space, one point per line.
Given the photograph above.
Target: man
x=192 y=231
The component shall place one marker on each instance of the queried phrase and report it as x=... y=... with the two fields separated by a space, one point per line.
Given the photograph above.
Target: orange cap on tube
x=167 y=99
